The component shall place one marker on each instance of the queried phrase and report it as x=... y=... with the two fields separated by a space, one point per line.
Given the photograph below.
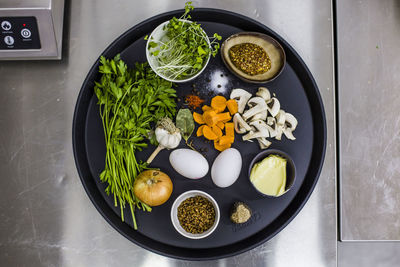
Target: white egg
x=188 y=163
x=226 y=167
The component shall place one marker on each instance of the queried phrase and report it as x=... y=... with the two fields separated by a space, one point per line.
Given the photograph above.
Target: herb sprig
x=130 y=101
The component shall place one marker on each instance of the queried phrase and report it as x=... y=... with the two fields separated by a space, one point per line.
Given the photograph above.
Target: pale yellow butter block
x=269 y=175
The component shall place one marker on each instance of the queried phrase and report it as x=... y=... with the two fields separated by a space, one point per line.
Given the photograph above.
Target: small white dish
x=174 y=214
x=157 y=34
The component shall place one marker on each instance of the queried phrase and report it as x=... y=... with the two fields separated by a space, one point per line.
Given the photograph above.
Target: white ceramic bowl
x=157 y=34
x=174 y=214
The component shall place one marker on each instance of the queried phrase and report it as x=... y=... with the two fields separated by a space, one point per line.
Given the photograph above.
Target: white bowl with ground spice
x=195 y=214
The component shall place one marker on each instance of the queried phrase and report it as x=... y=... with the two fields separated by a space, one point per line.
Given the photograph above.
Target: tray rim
x=168 y=250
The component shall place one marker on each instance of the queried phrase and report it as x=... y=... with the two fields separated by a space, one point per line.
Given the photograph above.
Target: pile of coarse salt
x=218 y=82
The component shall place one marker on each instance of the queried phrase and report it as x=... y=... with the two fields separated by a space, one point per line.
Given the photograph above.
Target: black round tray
x=297 y=93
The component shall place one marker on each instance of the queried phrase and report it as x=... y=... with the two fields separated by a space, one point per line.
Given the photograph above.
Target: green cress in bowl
x=179 y=50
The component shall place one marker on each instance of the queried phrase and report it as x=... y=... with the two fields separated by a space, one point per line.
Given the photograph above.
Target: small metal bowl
x=290 y=168
x=270 y=45
x=157 y=34
x=174 y=214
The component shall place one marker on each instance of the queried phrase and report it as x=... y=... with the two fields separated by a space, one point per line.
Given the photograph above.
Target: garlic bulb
x=166 y=139
x=168 y=136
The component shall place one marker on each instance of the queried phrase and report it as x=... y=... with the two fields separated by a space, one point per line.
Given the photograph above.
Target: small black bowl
x=290 y=168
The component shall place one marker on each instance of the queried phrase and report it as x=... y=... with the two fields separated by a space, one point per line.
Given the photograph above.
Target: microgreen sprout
x=185 y=48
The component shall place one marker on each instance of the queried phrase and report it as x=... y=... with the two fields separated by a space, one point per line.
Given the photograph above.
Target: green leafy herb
x=185 y=123
x=130 y=101
x=184 y=49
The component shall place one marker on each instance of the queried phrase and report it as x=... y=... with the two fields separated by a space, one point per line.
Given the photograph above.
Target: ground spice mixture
x=240 y=213
x=194 y=101
x=196 y=214
x=250 y=58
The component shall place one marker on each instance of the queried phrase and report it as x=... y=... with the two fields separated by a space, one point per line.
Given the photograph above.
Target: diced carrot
x=218 y=103
x=232 y=106
x=224 y=140
x=198 y=118
x=223 y=117
x=205 y=108
x=217 y=130
x=221 y=125
x=230 y=129
x=200 y=130
x=214 y=120
x=210 y=117
x=208 y=133
x=218 y=147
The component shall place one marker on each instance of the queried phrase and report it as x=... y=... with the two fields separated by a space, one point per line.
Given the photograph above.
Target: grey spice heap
x=240 y=213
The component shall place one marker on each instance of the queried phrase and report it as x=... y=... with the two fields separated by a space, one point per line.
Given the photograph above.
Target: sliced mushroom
x=263 y=142
x=272 y=131
x=241 y=96
x=261 y=130
x=279 y=132
x=240 y=125
x=256 y=122
x=271 y=120
x=264 y=93
x=256 y=104
x=252 y=131
x=290 y=126
x=289 y=134
x=290 y=121
x=280 y=117
x=260 y=116
x=273 y=106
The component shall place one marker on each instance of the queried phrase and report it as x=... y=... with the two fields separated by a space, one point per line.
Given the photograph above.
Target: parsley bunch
x=184 y=49
x=130 y=101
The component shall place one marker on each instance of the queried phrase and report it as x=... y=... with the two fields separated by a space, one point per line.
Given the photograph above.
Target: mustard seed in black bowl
x=196 y=214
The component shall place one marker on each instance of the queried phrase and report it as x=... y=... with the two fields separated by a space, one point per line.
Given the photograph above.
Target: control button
x=6 y=25
x=9 y=40
x=26 y=33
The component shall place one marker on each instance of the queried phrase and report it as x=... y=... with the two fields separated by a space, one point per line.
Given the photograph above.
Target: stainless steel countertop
x=46 y=219
x=368 y=46
x=369 y=100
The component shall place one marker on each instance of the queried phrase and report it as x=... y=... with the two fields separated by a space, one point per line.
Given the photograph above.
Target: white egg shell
x=188 y=163
x=226 y=167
